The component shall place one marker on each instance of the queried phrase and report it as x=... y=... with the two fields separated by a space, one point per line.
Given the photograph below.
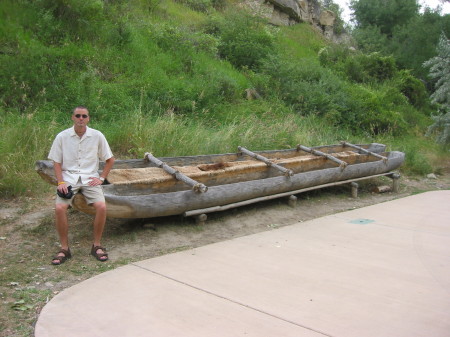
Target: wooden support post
x=201 y=219
x=395 y=182
x=292 y=201
x=354 y=189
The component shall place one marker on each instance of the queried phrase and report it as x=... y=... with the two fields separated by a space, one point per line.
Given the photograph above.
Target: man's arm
x=108 y=166
x=98 y=181
x=62 y=186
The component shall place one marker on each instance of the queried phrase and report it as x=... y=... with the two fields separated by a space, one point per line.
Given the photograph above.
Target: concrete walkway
x=382 y=270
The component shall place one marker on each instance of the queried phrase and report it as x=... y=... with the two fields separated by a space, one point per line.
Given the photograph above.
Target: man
x=76 y=153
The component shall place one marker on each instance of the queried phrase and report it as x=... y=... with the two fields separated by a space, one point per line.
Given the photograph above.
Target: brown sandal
x=99 y=256
x=58 y=259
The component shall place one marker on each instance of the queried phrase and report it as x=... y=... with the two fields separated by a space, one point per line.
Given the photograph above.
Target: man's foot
x=61 y=257
x=99 y=253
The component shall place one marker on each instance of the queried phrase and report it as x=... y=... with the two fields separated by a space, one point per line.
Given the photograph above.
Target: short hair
x=80 y=107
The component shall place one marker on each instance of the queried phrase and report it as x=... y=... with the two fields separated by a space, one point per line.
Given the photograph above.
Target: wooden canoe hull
x=45 y=167
x=179 y=202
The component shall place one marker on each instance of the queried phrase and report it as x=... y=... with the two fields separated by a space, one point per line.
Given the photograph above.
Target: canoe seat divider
x=365 y=151
x=286 y=172
x=196 y=186
x=342 y=164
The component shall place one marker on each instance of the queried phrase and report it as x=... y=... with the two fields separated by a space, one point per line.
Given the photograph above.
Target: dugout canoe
x=195 y=185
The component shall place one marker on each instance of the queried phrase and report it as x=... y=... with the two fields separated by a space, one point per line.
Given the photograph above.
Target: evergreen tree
x=440 y=71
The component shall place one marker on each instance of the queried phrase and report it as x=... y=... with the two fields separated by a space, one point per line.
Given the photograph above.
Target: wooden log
x=196 y=186
x=381 y=189
x=342 y=164
x=365 y=151
x=221 y=208
x=286 y=171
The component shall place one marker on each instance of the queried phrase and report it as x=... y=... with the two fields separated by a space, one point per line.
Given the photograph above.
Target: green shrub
x=176 y=39
x=311 y=89
x=416 y=150
x=370 y=39
x=330 y=55
x=356 y=66
x=305 y=86
x=412 y=88
x=78 y=18
x=198 y=5
x=374 y=66
x=245 y=41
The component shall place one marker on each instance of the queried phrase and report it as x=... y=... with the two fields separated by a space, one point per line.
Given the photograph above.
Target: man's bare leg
x=99 y=225
x=62 y=227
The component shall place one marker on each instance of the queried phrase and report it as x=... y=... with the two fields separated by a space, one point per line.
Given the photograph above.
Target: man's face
x=80 y=117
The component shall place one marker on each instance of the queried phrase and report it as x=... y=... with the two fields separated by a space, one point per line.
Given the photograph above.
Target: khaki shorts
x=91 y=193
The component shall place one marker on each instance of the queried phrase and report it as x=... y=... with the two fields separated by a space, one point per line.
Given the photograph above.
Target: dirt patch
x=28 y=240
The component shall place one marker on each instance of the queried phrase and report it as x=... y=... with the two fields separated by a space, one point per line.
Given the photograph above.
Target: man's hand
x=63 y=188
x=95 y=181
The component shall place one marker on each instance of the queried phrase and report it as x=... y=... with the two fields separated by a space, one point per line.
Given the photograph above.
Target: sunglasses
x=78 y=116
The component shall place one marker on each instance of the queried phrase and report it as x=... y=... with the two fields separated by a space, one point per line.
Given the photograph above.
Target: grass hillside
x=185 y=77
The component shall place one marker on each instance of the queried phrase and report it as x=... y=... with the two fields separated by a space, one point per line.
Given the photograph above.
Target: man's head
x=80 y=116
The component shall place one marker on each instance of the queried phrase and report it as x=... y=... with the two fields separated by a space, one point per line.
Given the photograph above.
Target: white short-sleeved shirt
x=79 y=157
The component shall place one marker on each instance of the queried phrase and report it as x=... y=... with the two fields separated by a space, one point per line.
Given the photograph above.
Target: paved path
x=382 y=270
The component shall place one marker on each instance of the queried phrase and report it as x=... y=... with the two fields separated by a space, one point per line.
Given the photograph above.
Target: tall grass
x=28 y=138
x=172 y=77
x=24 y=140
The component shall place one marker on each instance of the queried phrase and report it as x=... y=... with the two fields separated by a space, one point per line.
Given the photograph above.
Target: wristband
x=62 y=182
x=102 y=179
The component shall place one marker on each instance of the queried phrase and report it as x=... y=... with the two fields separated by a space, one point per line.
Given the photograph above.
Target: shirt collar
x=88 y=132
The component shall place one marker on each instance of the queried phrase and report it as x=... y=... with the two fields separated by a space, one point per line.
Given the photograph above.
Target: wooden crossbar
x=286 y=172
x=342 y=164
x=196 y=186
x=365 y=151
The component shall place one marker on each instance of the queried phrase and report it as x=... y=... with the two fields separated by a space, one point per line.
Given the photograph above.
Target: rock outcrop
x=290 y=12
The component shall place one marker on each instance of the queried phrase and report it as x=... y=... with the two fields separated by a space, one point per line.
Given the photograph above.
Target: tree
x=385 y=14
x=411 y=41
x=440 y=71
x=414 y=43
x=370 y=39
